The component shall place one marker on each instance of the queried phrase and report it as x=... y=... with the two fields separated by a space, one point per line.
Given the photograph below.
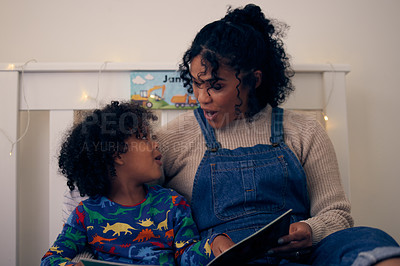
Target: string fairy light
x=324 y=113
x=102 y=67
x=13 y=143
x=11 y=67
x=86 y=96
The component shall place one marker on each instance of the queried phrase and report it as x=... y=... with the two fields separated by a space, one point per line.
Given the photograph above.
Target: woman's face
x=218 y=102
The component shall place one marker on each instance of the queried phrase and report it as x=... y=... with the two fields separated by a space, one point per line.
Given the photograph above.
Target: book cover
x=256 y=245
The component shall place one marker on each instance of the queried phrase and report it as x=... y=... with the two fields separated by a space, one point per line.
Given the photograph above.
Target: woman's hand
x=299 y=238
x=220 y=244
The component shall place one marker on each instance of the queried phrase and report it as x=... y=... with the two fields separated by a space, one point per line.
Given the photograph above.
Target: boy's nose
x=156 y=145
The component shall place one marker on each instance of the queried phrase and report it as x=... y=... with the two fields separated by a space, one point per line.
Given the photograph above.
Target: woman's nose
x=203 y=96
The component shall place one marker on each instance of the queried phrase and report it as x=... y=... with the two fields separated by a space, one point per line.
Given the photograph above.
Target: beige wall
x=361 y=33
x=32 y=187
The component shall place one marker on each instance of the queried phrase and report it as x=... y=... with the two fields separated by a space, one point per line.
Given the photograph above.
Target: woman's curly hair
x=245 y=41
x=87 y=154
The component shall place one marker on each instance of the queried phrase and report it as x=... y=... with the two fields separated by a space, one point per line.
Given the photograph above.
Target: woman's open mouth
x=210 y=115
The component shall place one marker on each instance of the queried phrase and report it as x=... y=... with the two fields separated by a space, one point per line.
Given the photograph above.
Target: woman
x=241 y=161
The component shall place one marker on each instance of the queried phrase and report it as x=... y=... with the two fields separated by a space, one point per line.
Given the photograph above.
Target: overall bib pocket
x=248 y=186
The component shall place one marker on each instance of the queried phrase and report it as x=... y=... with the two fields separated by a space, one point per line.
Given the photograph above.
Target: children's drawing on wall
x=160 y=90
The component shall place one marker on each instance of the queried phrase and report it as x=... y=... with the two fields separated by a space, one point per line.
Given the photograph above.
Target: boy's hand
x=220 y=244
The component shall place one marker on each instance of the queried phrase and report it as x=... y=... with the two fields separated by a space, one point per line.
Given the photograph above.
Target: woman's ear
x=258 y=76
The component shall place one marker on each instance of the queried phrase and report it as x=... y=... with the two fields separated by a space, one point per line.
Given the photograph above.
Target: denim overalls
x=238 y=191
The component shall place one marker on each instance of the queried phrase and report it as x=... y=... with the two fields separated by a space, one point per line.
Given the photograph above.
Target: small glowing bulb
x=11 y=67
x=84 y=96
x=10 y=153
x=326 y=117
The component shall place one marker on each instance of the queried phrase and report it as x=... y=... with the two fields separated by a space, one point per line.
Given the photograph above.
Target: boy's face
x=142 y=161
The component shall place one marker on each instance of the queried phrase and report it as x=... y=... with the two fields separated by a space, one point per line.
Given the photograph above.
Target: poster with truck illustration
x=160 y=89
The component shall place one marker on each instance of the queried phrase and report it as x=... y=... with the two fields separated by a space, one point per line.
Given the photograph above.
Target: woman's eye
x=197 y=84
x=217 y=87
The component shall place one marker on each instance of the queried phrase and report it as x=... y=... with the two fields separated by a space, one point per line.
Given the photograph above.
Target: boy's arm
x=70 y=202
x=69 y=242
x=189 y=249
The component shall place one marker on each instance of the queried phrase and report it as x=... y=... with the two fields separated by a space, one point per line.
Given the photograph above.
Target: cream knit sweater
x=182 y=146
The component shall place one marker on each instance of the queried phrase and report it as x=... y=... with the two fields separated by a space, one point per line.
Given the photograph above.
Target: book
x=255 y=245
x=94 y=262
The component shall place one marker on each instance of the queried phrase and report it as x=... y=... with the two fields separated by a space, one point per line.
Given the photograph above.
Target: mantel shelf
x=122 y=67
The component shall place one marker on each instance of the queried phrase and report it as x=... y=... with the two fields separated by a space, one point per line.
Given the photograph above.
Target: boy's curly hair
x=87 y=154
x=245 y=41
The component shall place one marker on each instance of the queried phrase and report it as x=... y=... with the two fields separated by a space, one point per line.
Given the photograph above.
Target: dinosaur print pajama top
x=159 y=231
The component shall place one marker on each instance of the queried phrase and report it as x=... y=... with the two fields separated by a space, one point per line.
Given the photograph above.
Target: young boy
x=110 y=157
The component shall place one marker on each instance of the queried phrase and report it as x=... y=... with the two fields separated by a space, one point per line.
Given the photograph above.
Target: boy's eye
x=147 y=137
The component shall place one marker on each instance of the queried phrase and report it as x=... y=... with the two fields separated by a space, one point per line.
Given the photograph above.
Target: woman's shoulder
x=302 y=122
x=179 y=125
x=305 y=134
x=177 y=134
x=297 y=120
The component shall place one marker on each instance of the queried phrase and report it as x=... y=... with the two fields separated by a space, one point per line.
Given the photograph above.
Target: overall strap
x=276 y=126
x=208 y=132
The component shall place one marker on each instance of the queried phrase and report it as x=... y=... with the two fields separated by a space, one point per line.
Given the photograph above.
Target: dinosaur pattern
x=118 y=228
x=160 y=230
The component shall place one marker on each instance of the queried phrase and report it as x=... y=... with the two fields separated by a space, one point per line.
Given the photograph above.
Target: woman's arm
x=329 y=206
